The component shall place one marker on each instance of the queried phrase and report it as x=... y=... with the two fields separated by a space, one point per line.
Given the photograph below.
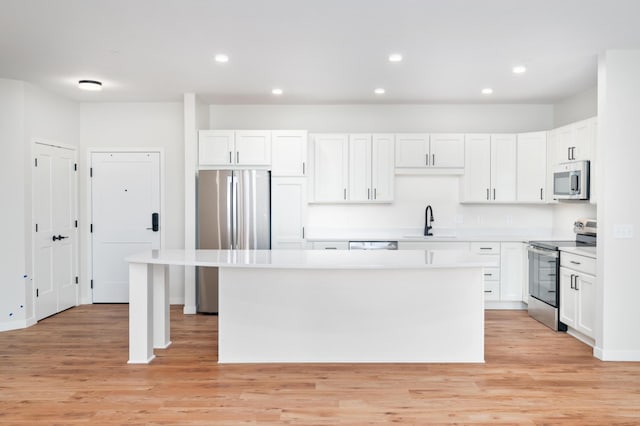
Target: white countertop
x=315 y=259
x=582 y=251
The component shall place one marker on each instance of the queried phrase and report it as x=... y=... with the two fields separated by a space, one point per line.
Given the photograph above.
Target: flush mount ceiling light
x=221 y=58
x=487 y=91
x=395 y=57
x=277 y=92
x=92 y=85
x=379 y=91
x=519 y=69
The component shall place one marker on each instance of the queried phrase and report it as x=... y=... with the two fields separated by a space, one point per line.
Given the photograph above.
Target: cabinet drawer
x=485 y=248
x=578 y=263
x=491 y=274
x=491 y=290
x=330 y=245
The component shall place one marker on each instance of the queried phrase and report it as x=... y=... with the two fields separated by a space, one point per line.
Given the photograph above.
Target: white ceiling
x=317 y=51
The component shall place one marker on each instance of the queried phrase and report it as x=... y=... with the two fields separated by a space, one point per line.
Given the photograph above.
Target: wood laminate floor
x=71 y=368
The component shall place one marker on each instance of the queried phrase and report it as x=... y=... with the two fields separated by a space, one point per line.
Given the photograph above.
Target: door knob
x=59 y=237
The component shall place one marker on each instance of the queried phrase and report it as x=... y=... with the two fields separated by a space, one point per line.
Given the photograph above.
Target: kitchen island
x=322 y=306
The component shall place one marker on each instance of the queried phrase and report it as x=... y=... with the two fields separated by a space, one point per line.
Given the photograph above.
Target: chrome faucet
x=428 y=219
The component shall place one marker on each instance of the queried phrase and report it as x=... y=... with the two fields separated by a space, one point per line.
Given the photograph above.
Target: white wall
x=137 y=125
x=384 y=118
x=618 y=206
x=578 y=107
x=413 y=193
x=13 y=220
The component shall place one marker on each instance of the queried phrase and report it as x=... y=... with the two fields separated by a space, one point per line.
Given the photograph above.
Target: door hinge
x=36 y=161
x=76 y=223
x=37 y=292
x=91 y=228
x=90 y=171
x=92 y=284
x=75 y=167
x=76 y=280
x=36 y=227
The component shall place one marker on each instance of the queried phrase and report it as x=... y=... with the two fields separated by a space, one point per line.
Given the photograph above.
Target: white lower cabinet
x=331 y=245
x=512 y=267
x=577 y=292
x=288 y=212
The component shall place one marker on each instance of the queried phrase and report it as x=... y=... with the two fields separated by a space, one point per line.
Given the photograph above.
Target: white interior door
x=55 y=236
x=125 y=193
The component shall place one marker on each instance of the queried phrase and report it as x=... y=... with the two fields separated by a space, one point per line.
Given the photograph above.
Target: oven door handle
x=550 y=253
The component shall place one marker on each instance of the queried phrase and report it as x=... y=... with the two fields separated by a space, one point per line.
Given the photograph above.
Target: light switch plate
x=623 y=231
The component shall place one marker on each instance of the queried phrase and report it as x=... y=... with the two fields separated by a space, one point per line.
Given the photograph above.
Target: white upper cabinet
x=215 y=147
x=436 y=151
x=331 y=167
x=253 y=147
x=360 y=167
x=382 y=167
x=532 y=167
x=447 y=150
x=476 y=183
x=412 y=150
x=355 y=168
x=229 y=148
x=289 y=153
x=490 y=168
x=574 y=142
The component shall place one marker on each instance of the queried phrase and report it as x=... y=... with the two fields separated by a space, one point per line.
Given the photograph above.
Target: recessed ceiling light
x=222 y=58
x=395 y=57
x=277 y=91
x=487 y=91
x=92 y=85
x=519 y=69
x=379 y=91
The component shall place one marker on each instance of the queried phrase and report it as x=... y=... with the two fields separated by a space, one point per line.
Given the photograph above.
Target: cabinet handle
x=573 y=152
x=575 y=283
x=368 y=193
x=488 y=275
x=237 y=157
x=541 y=194
x=303 y=172
x=486 y=248
x=331 y=248
x=375 y=193
x=230 y=160
x=494 y=193
x=303 y=232
x=575 y=263
x=571 y=281
x=488 y=291
x=433 y=159
x=345 y=193
x=569 y=153
x=487 y=193
x=426 y=159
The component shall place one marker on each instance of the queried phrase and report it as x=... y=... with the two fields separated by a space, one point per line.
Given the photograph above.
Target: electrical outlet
x=459 y=219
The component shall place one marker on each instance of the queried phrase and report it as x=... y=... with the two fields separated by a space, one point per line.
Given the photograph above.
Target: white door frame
x=87 y=234
x=47 y=142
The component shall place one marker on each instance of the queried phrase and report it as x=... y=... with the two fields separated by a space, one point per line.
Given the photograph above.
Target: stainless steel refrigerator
x=234 y=212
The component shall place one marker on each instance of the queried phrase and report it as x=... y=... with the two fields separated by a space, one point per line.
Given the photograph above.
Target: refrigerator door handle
x=234 y=212
x=230 y=203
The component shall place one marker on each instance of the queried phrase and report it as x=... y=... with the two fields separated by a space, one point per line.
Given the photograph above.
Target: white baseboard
x=17 y=325
x=613 y=355
x=189 y=310
x=584 y=339
x=498 y=305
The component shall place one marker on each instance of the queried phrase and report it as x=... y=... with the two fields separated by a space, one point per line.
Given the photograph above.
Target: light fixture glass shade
x=277 y=91
x=379 y=91
x=92 y=85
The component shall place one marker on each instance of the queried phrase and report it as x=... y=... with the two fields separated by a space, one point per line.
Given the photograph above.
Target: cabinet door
x=583 y=138
x=531 y=167
x=586 y=304
x=476 y=182
x=512 y=260
x=382 y=165
x=288 y=153
x=447 y=150
x=568 y=298
x=360 y=167
x=503 y=168
x=288 y=212
x=412 y=150
x=563 y=144
x=330 y=171
x=253 y=147
x=215 y=147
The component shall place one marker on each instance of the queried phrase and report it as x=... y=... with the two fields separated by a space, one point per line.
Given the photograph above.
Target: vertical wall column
x=618 y=150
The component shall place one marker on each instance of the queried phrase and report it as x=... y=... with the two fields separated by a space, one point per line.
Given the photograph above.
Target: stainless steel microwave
x=571 y=181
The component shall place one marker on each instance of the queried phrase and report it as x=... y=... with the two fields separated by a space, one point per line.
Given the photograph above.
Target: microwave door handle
x=575 y=183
